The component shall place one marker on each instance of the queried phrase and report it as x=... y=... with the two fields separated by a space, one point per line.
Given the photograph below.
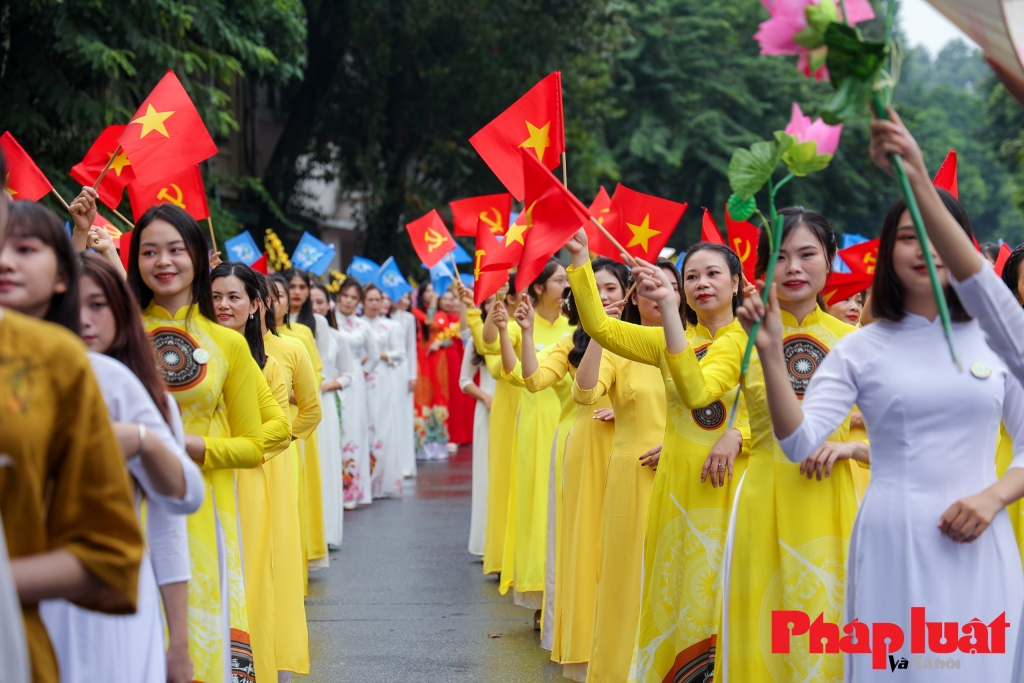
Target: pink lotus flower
x=789 y=17
x=802 y=129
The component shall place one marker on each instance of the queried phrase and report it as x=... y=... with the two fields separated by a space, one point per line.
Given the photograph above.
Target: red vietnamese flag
x=486 y=282
x=861 y=258
x=946 y=176
x=120 y=174
x=554 y=217
x=183 y=189
x=743 y=238
x=492 y=209
x=430 y=238
x=124 y=247
x=533 y=122
x=166 y=135
x=1004 y=256
x=599 y=209
x=510 y=250
x=641 y=222
x=24 y=179
x=841 y=286
x=708 y=230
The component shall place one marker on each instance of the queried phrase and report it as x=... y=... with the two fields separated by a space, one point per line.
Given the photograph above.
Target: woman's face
x=29 y=275
x=553 y=287
x=164 y=262
x=908 y=260
x=848 y=310
x=608 y=287
x=298 y=292
x=320 y=303
x=650 y=314
x=99 y=327
x=348 y=299
x=429 y=297
x=405 y=303
x=802 y=266
x=385 y=304
x=447 y=302
x=371 y=303
x=232 y=304
x=708 y=285
x=281 y=303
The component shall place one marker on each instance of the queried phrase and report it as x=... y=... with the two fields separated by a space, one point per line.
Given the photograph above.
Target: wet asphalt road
x=404 y=601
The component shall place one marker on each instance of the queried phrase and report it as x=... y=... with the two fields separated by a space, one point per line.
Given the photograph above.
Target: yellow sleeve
x=743 y=420
x=475 y=323
x=307 y=398
x=276 y=428
x=552 y=369
x=243 y=449
x=701 y=383
x=515 y=378
x=605 y=378
x=515 y=334
x=636 y=343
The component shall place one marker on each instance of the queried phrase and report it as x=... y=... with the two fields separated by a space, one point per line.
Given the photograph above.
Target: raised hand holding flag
x=105 y=151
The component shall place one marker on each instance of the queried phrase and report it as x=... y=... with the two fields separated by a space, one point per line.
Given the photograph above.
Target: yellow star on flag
x=120 y=161
x=539 y=140
x=7 y=184
x=642 y=233
x=515 y=233
x=153 y=120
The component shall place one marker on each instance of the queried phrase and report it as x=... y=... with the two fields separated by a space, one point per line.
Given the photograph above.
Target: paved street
x=404 y=601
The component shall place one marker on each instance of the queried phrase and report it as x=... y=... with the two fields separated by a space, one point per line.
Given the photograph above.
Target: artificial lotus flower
x=791 y=31
x=826 y=136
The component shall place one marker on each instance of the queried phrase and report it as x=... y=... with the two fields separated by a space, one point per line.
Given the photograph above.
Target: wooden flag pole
x=209 y=221
x=57 y=195
x=565 y=177
x=615 y=243
x=110 y=162
x=455 y=266
x=118 y=214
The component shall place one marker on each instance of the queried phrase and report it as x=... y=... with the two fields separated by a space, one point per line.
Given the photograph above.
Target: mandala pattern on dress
x=174 y=351
x=803 y=354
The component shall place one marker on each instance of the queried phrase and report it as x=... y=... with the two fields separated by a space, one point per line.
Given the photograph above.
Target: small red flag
x=260 y=264
x=555 y=215
x=166 y=135
x=599 y=209
x=486 y=282
x=124 y=247
x=24 y=179
x=183 y=189
x=946 y=177
x=709 y=231
x=841 y=286
x=492 y=209
x=641 y=222
x=430 y=238
x=533 y=122
x=112 y=230
x=1004 y=255
x=510 y=250
x=743 y=238
x=861 y=258
x=120 y=174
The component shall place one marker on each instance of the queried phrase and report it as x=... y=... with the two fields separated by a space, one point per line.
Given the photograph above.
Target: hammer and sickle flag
x=743 y=238
x=430 y=238
x=492 y=209
x=861 y=258
x=166 y=135
x=183 y=189
x=534 y=122
x=24 y=179
x=117 y=178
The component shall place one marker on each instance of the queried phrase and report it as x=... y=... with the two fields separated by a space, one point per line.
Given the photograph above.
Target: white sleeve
x=167 y=538
x=468 y=367
x=410 y=345
x=990 y=301
x=830 y=396
x=343 y=361
x=322 y=334
x=372 y=350
x=396 y=349
x=1013 y=418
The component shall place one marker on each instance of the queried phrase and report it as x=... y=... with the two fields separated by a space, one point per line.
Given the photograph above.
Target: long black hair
x=1011 y=271
x=253 y=328
x=28 y=219
x=195 y=244
x=732 y=262
x=631 y=311
x=273 y=280
x=580 y=339
x=420 y=304
x=268 y=297
x=331 y=320
x=305 y=314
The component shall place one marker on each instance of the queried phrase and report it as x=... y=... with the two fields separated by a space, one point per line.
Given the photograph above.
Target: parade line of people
x=182 y=439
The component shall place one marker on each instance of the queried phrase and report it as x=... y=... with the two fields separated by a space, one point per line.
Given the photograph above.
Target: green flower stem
x=915 y=214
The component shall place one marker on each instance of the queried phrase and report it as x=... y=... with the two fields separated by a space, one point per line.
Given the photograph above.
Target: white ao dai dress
x=381 y=400
x=933 y=435
x=405 y=403
x=355 y=438
x=91 y=646
x=337 y=365
x=481 y=435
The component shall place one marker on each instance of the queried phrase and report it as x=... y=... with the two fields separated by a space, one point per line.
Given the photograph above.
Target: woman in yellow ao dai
x=211 y=375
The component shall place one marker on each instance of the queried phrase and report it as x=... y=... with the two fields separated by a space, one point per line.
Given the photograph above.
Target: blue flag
x=467 y=279
x=310 y=251
x=362 y=269
x=461 y=255
x=242 y=247
x=391 y=281
x=441 y=277
x=321 y=266
x=849 y=240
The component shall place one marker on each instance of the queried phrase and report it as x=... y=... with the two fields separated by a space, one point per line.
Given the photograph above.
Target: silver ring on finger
x=721 y=465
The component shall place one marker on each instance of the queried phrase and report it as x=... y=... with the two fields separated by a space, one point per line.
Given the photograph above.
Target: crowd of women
x=668 y=514
x=181 y=440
